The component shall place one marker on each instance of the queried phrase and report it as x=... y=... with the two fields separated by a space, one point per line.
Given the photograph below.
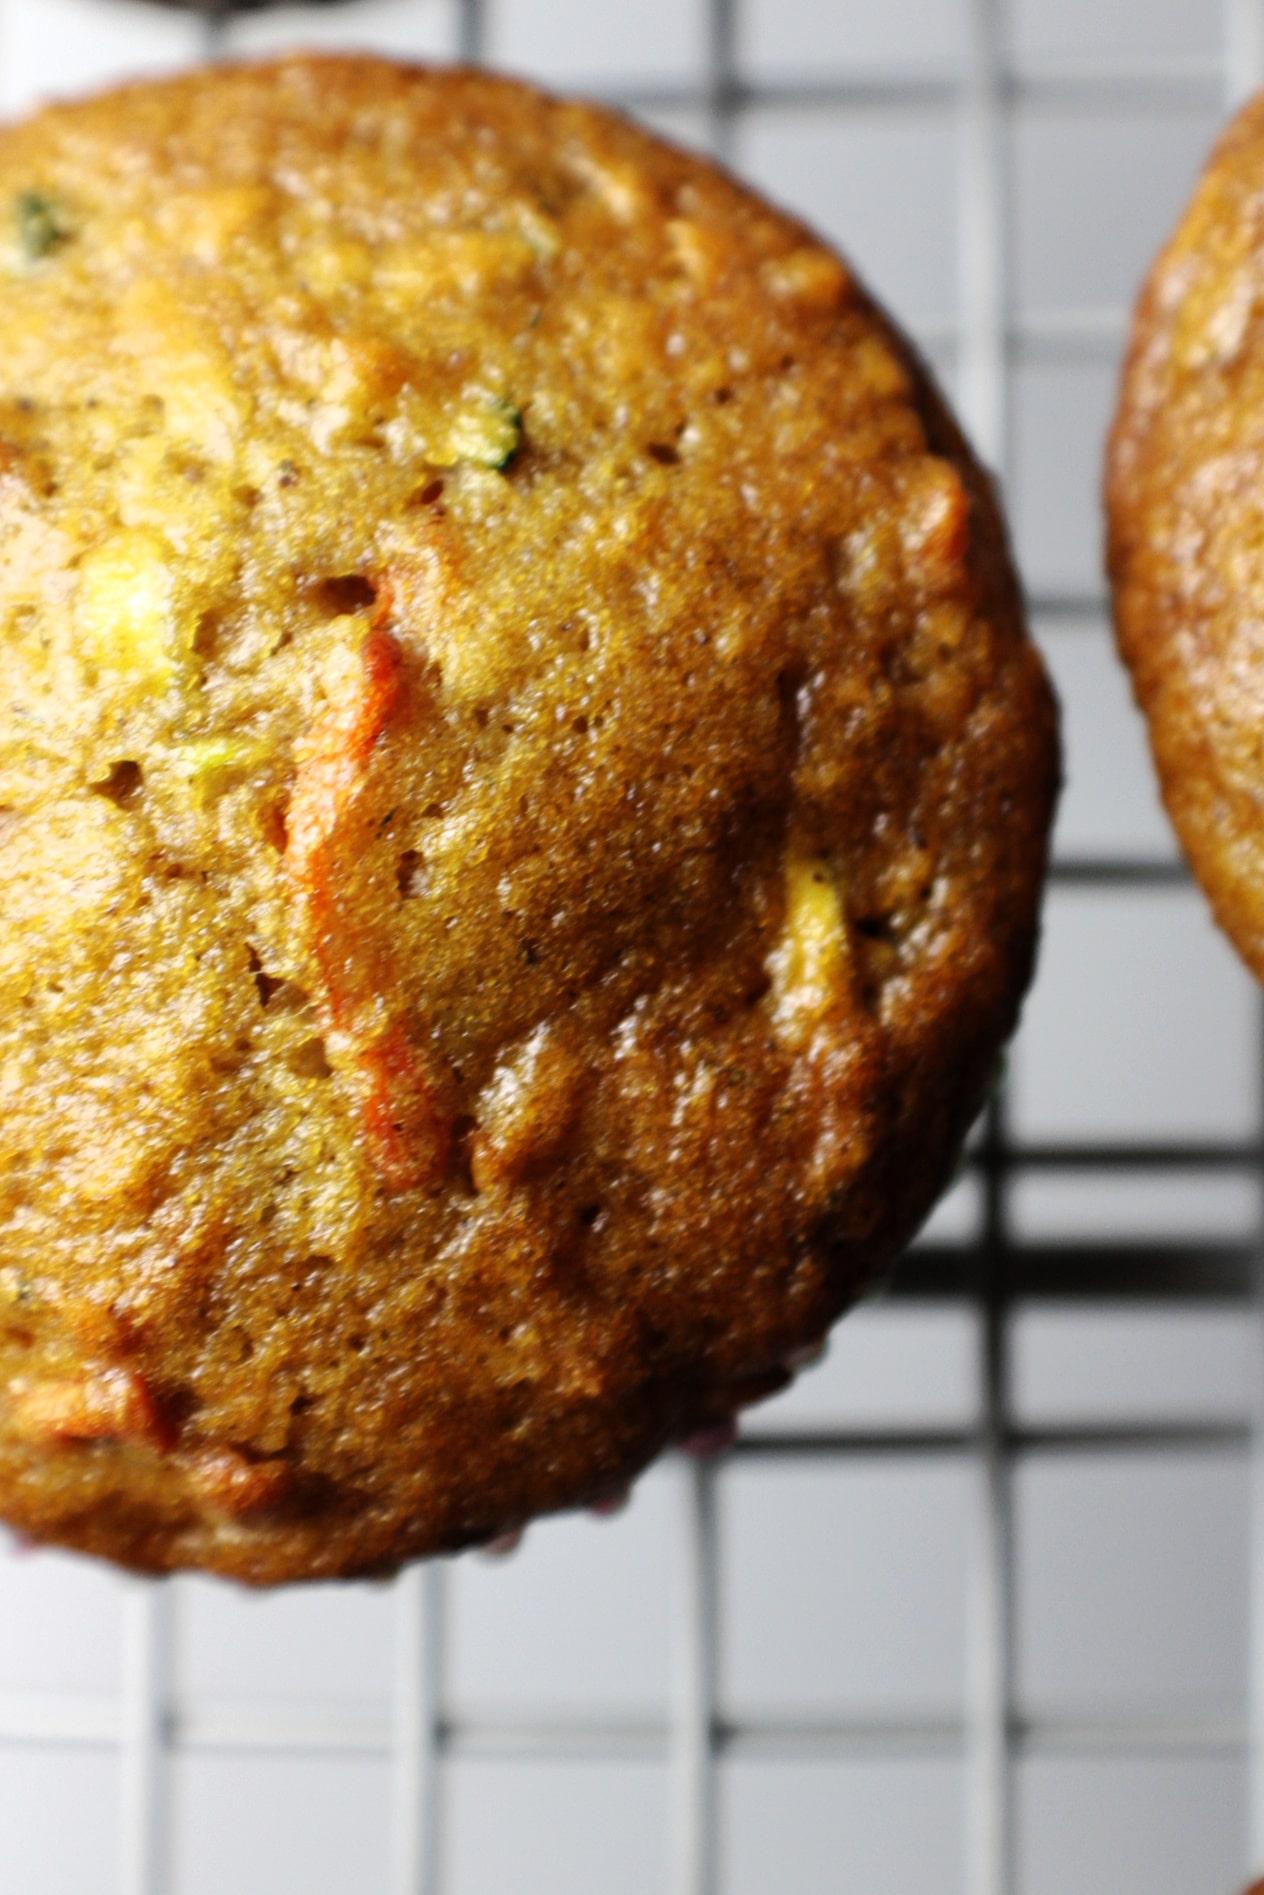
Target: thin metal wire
x=981 y=267
x=215 y=26
x=695 y=1685
x=472 y=31
x=989 y=1816
x=417 y=1730
x=1008 y=1440
x=1241 y=1155
x=143 y=1803
x=724 y=96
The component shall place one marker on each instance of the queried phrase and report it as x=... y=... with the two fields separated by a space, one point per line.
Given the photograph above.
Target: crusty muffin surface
x=1185 y=498
x=524 y=800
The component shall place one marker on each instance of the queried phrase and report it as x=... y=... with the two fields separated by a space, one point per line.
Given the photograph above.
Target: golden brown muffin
x=525 y=796
x=1185 y=498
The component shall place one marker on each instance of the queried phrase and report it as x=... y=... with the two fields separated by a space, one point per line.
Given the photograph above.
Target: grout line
x=143 y=1718
x=417 y=1730
x=693 y=1733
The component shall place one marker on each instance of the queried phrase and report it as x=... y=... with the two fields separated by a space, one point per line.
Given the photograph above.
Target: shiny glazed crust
x=525 y=796
x=1185 y=500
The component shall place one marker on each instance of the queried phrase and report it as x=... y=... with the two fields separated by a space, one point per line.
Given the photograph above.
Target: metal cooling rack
x=421 y=1733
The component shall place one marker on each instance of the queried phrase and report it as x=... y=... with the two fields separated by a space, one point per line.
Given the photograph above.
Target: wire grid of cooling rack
x=999 y=1269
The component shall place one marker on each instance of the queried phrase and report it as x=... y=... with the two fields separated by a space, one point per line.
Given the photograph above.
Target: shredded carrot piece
x=408 y=1135
x=115 y=1405
x=231 y=1483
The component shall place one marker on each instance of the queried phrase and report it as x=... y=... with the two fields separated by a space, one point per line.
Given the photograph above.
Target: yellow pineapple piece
x=810 y=967
x=126 y=615
x=488 y=435
x=211 y=764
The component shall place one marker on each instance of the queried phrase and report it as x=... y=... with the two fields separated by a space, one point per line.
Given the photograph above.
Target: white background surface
x=844 y=1584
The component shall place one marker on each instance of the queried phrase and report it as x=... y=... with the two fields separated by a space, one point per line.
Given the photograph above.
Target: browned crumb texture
x=1185 y=495
x=524 y=798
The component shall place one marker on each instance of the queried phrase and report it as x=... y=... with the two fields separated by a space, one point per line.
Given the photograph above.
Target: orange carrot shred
x=408 y=1135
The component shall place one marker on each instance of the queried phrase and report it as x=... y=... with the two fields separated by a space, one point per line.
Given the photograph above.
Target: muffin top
x=1185 y=494
x=524 y=795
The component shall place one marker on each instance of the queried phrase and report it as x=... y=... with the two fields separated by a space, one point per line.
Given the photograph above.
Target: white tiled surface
x=797 y=39
x=1132 y=1584
x=888 y=1365
x=1110 y=804
x=571 y=1827
x=844 y=1583
x=1087 y=31
x=844 y=1588
x=1060 y=411
x=902 y=239
x=410 y=29
x=791 y=1827
x=1132 y=167
x=1131 y=1362
x=1124 y=1206
x=1131 y=1826
x=278 y=1824
x=580 y=1620
x=52 y=48
x=319 y=1646
x=60 y=1625
x=574 y=42
x=58 y=1814
x=1142 y=1024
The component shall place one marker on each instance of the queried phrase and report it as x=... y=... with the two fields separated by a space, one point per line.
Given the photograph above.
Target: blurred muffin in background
x=1185 y=497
